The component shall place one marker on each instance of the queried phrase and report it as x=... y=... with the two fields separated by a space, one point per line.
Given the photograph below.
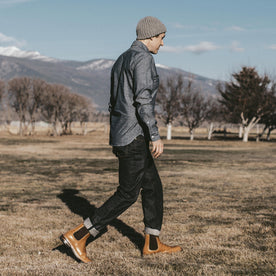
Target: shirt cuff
x=155 y=137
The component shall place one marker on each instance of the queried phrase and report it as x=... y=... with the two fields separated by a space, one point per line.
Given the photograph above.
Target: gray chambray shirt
x=134 y=84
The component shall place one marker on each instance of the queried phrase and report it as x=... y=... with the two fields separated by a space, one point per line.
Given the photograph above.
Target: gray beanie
x=148 y=27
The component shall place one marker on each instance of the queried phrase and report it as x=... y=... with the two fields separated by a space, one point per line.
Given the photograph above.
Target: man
x=134 y=84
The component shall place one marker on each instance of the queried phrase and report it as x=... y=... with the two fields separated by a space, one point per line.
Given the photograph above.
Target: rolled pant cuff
x=88 y=224
x=151 y=231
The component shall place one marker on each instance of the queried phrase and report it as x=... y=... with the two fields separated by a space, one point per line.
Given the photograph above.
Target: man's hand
x=157 y=148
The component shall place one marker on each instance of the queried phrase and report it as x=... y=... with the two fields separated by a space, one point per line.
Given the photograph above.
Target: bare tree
x=2 y=89
x=75 y=108
x=214 y=118
x=47 y=105
x=66 y=109
x=52 y=102
x=84 y=111
x=168 y=97
x=19 y=93
x=269 y=118
x=195 y=108
x=68 y=112
x=60 y=103
x=37 y=92
x=60 y=107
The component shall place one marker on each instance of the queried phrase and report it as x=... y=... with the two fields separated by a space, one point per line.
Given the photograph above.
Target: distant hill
x=91 y=78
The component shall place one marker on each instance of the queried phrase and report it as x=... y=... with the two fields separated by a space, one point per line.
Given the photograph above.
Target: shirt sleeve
x=143 y=94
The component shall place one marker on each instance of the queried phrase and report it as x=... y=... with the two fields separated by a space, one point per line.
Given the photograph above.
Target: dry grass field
x=219 y=199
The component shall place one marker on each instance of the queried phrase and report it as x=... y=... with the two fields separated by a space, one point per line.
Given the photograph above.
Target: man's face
x=156 y=42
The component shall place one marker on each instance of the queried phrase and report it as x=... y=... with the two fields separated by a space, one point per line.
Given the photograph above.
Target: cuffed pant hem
x=151 y=231
x=88 y=224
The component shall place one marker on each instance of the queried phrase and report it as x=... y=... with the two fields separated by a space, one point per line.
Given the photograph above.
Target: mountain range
x=89 y=78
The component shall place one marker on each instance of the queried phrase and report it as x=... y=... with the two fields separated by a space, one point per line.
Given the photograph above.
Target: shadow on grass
x=83 y=208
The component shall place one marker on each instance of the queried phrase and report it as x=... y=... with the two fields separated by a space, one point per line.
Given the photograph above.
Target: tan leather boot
x=156 y=246
x=76 y=240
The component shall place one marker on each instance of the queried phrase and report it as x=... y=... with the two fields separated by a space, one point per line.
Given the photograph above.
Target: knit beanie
x=148 y=27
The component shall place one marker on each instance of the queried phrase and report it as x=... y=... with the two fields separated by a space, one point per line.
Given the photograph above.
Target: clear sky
x=212 y=38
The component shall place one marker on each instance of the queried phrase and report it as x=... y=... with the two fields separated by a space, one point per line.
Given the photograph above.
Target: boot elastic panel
x=153 y=245
x=81 y=233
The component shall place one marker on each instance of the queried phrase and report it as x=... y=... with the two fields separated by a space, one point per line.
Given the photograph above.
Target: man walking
x=134 y=84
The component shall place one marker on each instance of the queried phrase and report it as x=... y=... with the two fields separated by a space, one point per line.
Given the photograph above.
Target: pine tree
x=246 y=98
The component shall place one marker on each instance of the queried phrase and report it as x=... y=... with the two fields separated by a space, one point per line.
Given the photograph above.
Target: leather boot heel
x=64 y=241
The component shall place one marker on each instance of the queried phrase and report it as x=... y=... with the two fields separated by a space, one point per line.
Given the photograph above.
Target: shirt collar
x=141 y=45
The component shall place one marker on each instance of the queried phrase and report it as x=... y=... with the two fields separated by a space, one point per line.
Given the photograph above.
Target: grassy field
x=219 y=205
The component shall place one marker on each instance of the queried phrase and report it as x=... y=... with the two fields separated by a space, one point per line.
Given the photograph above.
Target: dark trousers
x=137 y=172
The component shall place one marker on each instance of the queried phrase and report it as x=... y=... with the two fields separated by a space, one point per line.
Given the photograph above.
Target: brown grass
x=220 y=201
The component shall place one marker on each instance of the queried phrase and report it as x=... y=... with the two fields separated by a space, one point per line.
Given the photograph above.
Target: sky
x=212 y=38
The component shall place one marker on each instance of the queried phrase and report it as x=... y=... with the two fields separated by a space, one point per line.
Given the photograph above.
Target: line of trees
x=34 y=100
x=182 y=101
x=247 y=99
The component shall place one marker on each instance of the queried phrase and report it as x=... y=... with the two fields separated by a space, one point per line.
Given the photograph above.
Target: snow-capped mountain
x=162 y=66
x=90 y=78
x=99 y=64
x=16 y=52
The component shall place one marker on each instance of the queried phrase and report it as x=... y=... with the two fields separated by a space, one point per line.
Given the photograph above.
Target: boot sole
x=166 y=252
